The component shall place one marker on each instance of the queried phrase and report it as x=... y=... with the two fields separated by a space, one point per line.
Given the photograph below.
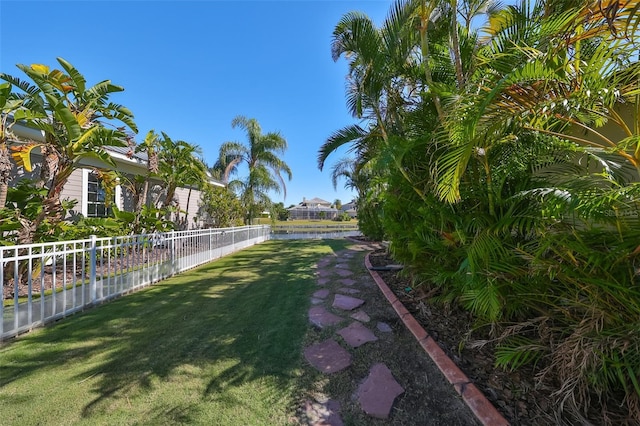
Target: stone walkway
x=352 y=341
x=379 y=389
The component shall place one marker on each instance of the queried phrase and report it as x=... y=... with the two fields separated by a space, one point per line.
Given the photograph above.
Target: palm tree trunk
x=4 y=187
x=455 y=44
x=142 y=197
x=171 y=191
x=141 y=201
x=424 y=45
x=5 y=174
x=487 y=170
x=52 y=207
x=186 y=209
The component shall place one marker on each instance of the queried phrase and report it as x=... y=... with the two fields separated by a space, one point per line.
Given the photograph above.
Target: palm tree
x=195 y=177
x=149 y=146
x=399 y=75
x=260 y=155
x=74 y=119
x=179 y=165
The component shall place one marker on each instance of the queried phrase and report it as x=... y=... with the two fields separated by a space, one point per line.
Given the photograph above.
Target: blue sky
x=189 y=67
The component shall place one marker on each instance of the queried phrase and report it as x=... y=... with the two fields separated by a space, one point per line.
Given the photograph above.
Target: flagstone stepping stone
x=377 y=393
x=348 y=281
x=346 y=303
x=323 y=281
x=328 y=356
x=316 y=301
x=323 y=272
x=321 y=294
x=348 y=290
x=320 y=317
x=357 y=334
x=342 y=265
x=344 y=272
x=323 y=413
x=384 y=327
x=361 y=316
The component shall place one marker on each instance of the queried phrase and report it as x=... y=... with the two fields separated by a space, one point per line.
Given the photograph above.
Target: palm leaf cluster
x=498 y=149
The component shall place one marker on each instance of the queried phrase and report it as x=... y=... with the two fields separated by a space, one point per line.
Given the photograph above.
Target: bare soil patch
x=515 y=394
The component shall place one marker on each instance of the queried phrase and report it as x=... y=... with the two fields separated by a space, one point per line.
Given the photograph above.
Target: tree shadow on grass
x=238 y=320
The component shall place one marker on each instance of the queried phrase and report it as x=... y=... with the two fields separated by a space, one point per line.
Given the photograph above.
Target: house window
x=94 y=197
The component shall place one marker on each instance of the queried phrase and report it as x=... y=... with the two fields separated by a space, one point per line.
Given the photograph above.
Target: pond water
x=314 y=235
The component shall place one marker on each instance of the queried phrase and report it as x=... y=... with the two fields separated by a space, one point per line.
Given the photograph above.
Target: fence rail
x=42 y=283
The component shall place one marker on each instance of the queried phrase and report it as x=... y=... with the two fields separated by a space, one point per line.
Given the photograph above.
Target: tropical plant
x=279 y=212
x=219 y=208
x=487 y=167
x=8 y=104
x=148 y=146
x=179 y=165
x=147 y=221
x=73 y=119
x=265 y=168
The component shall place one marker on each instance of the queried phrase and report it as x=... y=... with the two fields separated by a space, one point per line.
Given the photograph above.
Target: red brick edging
x=472 y=396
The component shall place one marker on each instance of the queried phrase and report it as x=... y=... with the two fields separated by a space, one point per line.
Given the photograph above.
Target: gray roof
x=128 y=151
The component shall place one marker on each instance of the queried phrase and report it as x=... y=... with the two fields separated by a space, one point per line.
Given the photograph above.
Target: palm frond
x=78 y=79
x=346 y=135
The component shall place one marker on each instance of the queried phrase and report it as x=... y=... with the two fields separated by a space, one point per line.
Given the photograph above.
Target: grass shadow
x=189 y=348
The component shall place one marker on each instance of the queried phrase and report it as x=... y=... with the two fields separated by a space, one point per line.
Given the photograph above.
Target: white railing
x=42 y=283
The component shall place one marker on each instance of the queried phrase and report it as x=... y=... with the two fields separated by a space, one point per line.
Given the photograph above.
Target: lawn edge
x=477 y=402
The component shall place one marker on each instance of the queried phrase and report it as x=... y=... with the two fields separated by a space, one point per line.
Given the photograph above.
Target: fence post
x=210 y=244
x=172 y=252
x=92 y=268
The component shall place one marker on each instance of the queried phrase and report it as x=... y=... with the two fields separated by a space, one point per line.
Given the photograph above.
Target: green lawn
x=219 y=345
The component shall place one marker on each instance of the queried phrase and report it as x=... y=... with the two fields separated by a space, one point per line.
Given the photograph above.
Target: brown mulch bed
x=515 y=394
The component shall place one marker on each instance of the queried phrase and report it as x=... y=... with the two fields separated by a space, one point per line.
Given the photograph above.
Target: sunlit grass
x=218 y=345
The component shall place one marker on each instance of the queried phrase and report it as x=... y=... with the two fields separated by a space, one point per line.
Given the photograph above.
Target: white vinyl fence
x=42 y=283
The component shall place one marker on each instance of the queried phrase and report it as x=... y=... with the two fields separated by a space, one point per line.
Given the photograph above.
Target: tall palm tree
x=396 y=70
x=260 y=155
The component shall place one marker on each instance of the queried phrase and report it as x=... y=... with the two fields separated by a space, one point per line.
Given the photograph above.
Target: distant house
x=350 y=209
x=84 y=187
x=313 y=209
